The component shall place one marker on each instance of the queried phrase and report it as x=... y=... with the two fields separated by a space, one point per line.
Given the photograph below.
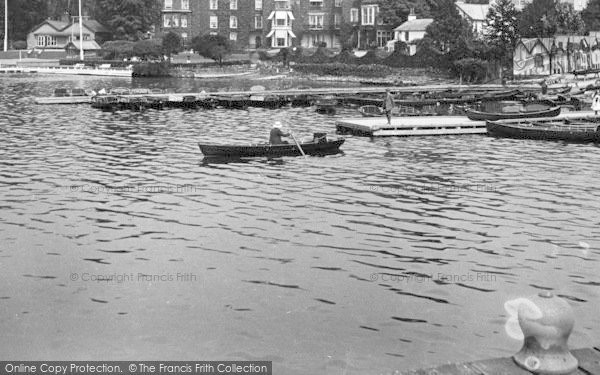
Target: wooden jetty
x=73 y=70
x=410 y=125
x=589 y=363
x=302 y=94
x=421 y=125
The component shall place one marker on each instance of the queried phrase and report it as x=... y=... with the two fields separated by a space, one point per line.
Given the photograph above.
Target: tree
x=117 y=49
x=591 y=15
x=449 y=32
x=128 y=19
x=545 y=18
x=214 y=47
x=147 y=49
x=501 y=33
x=568 y=20
x=172 y=43
x=395 y=12
x=23 y=15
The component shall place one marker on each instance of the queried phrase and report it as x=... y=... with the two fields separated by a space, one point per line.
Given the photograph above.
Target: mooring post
x=546 y=327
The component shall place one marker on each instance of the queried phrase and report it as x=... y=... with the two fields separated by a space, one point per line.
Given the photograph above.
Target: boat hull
x=582 y=131
x=490 y=116
x=291 y=149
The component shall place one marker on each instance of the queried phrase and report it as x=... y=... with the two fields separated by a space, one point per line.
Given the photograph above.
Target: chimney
x=412 y=16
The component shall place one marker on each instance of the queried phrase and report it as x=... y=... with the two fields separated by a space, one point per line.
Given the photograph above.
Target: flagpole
x=80 y=33
x=5 y=25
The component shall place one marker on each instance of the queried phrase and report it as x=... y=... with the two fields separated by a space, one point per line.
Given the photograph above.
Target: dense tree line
x=127 y=19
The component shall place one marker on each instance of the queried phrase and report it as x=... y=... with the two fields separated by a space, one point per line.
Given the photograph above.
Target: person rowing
x=276 y=134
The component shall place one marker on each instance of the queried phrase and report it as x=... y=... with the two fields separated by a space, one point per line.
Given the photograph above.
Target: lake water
x=398 y=253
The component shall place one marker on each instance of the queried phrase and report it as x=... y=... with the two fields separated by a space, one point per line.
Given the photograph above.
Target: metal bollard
x=546 y=330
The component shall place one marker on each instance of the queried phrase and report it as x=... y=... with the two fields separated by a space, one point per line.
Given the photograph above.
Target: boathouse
x=557 y=55
x=56 y=35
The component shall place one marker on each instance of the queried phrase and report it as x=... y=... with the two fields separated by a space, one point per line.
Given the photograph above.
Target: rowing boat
x=576 y=129
x=519 y=111
x=370 y=111
x=318 y=146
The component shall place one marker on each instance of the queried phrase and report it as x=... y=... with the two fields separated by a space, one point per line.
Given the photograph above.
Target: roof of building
x=475 y=12
x=95 y=26
x=572 y=42
x=415 y=25
x=87 y=45
x=61 y=27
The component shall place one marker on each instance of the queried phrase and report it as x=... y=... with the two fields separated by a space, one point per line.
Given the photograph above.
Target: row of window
x=50 y=40
x=233 y=4
x=315 y=20
x=175 y=20
x=185 y=4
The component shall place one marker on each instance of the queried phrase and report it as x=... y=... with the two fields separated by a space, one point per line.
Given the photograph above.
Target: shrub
x=117 y=49
x=472 y=70
x=149 y=48
x=339 y=69
x=20 y=44
x=369 y=58
x=160 y=69
x=346 y=57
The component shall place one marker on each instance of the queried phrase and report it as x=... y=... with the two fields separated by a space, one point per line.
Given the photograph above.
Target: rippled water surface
x=397 y=253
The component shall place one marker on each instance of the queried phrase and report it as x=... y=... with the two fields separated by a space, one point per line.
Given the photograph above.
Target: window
x=338 y=3
x=214 y=22
x=233 y=4
x=354 y=15
x=232 y=36
x=336 y=20
x=213 y=5
x=383 y=37
x=184 y=21
x=185 y=4
x=406 y=35
x=167 y=20
x=184 y=36
x=280 y=22
x=46 y=40
x=258 y=22
x=176 y=20
x=280 y=42
x=258 y=4
x=168 y=4
x=538 y=60
x=315 y=21
x=316 y=3
x=368 y=14
x=233 y=22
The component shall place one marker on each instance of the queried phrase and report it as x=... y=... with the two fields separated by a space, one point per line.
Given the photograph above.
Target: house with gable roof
x=410 y=32
x=557 y=55
x=475 y=14
x=58 y=35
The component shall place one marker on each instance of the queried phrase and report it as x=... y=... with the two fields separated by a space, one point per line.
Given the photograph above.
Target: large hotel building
x=250 y=24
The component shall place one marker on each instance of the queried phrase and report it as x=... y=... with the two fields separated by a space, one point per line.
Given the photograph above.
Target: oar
x=298 y=144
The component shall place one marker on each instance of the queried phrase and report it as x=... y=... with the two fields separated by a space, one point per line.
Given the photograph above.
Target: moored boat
x=574 y=129
x=325 y=104
x=320 y=145
x=516 y=110
x=105 y=102
x=370 y=111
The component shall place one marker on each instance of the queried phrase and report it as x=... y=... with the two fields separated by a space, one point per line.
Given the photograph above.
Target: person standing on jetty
x=544 y=87
x=596 y=102
x=388 y=105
